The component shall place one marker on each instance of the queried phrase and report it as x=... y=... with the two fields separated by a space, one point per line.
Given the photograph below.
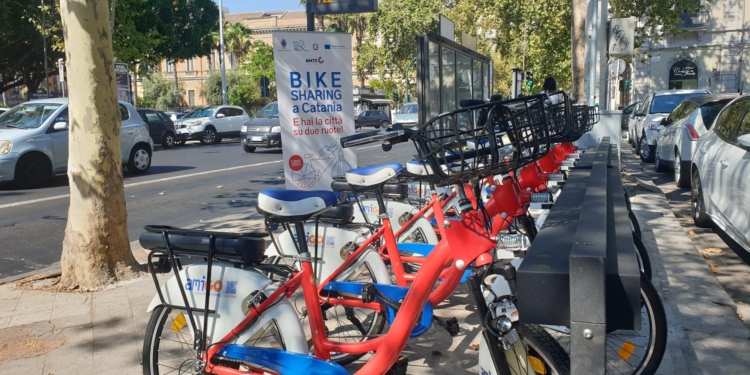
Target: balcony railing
x=697 y=20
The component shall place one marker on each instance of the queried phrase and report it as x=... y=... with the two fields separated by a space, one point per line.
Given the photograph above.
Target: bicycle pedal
x=399 y=368
x=451 y=325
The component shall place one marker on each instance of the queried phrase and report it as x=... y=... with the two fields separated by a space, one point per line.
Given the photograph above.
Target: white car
x=408 y=115
x=34 y=141
x=721 y=173
x=210 y=124
x=656 y=107
x=676 y=141
x=631 y=122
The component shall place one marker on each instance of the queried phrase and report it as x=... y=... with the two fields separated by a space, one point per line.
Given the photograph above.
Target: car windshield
x=28 y=115
x=409 y=108
x=709 y=111
x=667 y=103
x=269 y=111
x=201 y=112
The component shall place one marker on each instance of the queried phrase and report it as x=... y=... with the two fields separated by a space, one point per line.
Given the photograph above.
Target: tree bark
x=578 y=43
x=96 y=250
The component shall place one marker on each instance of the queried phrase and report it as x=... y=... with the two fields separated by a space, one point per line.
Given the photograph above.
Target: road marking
x=33 y=201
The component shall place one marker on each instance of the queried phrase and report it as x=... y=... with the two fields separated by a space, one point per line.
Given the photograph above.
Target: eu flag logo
x=328 y=46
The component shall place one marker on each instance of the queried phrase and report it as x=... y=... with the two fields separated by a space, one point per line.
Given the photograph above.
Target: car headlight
x=193 y=124
x=244 y=128
x=276 y=129
x=5 y=147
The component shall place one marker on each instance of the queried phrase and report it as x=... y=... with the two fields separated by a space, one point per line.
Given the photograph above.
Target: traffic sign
x=265 y=90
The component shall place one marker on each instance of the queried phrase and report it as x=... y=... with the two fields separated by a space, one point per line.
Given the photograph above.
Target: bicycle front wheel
x=537 y=352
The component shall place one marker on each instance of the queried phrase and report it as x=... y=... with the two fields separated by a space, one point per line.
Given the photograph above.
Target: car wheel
x=384 y=124
x=140 y=159
x=386 y=147
x=698 y=204
x=248 y=149
x=33 y=170
x=209 y=136
x=681 y=176
x=357 y=125
x=645 y=150
x=657 y=161
x=168 y=141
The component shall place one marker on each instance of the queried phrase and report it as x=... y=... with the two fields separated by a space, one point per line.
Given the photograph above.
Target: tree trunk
x=96 y=250
x=177 y=100
x=578 y=43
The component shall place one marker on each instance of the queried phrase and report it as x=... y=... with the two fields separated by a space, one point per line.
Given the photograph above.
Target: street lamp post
x=221 y=56
x=44 y=40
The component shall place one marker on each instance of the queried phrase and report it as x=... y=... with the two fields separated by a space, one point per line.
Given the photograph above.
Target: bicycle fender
x=427 y=231
x=230 y=289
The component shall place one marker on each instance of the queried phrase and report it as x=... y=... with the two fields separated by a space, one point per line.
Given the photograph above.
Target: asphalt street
x=184 y=186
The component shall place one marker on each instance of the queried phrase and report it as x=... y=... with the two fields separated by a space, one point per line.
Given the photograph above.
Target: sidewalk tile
x=110 y=299
x=71 y=304
x=74 y=358
x=24 y=366
x=115 y=342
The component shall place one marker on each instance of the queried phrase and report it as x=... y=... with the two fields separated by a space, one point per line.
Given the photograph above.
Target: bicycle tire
x=544 y=347
x=644 y=259
x=657 y=340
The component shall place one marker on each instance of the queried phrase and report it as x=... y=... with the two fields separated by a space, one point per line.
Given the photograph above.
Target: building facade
x=710 y=54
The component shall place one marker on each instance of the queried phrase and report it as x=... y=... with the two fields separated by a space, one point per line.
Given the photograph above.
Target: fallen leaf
x=474 y=346
x=704 y=255
x=713 y=250
x=162 y=193
x=740 y=315
x=220 y=187
x=739 y=303
x=713 y=268
x=438 y=352
x=132 y=196
x=691 y=233
x=685 y=216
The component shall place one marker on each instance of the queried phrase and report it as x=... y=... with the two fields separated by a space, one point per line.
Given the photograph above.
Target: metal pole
x=593 y=31
x=407 y=78
x=44 y=39
x=221 y=56
x=310 y=16
x=601 y=47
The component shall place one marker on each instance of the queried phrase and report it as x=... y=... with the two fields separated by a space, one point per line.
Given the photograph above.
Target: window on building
x=191 y=98
x=683 y=75
x=190 y=65
x=170 y=67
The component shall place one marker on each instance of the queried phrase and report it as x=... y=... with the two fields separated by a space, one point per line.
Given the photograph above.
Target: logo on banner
x=283 y=43
x=296 y=163
x=315 y=47
x=299 y=45
x=319 y=60
x=328 y=46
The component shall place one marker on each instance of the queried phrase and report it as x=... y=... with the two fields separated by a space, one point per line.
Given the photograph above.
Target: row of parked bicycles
x=360 y=269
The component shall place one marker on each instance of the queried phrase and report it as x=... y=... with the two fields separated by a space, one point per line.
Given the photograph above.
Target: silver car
x=408 y=115
x=34 y=141
x=676 y=141
x=721 y=173
x=657 y=106
x=210 y=124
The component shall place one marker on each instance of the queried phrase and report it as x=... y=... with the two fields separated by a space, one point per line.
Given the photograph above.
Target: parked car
x=160 y=126
x=657 y=106
x=631 y=122
x=627 y=112
x=263 y=131
x=720 y=178
x=407 y=115
x=676 y=141
x=371 y=117
x=210 y=124
x=34 y=141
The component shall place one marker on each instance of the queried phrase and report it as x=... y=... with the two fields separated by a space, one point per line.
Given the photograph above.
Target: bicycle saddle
x=294 y=205
x=418 y=168
x=373 y=175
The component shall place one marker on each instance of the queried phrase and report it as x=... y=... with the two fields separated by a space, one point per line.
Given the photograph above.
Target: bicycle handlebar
x=369 y=137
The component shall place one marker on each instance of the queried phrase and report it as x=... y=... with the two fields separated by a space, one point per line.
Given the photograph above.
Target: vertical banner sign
x=316 y=106
x=621 y=37
x=123 y=83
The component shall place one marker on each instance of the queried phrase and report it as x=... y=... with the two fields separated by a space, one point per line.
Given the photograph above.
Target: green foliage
x=651 y=14
x=237 y=39
x=158 y=92
x=243 y=83
x=506 y=23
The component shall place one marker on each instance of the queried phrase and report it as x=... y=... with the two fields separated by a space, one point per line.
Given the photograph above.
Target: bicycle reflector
x=626 y=350
x=178 y=322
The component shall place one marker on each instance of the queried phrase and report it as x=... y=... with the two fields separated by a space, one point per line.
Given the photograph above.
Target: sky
x=242 y=6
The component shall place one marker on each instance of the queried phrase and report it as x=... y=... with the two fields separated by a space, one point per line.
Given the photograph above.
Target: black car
x=160 y=127
x=372 y=117
x=263 y=131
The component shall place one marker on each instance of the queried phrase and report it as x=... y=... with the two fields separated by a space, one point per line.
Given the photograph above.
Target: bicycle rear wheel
x=634 y=352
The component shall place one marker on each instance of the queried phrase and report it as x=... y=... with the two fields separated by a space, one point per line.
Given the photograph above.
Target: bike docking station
x=582 y=269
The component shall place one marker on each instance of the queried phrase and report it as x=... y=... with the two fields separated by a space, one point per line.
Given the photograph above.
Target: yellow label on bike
x=626 y=350
x=178 y=323
x=537 y=365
